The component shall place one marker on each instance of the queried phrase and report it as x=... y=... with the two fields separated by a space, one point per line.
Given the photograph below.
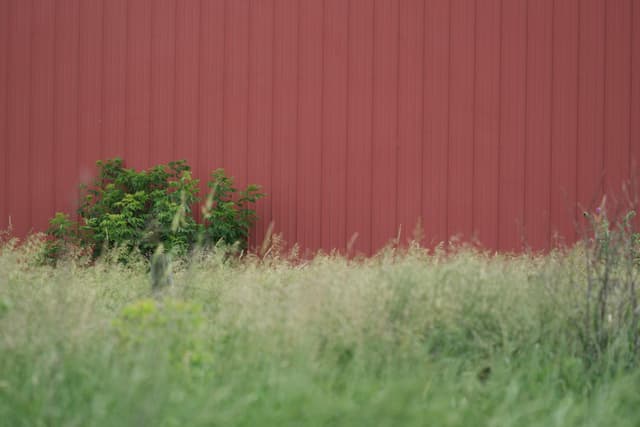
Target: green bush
x=140 y=209
x=226 y=219
x=137 y=211
x=61 y=239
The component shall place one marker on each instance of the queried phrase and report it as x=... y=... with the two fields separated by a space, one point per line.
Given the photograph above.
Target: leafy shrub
x=138 y=211
x=226 y=219
x=62 y=239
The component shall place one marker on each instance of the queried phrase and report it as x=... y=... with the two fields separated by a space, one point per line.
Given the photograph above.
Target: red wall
x=492 y=118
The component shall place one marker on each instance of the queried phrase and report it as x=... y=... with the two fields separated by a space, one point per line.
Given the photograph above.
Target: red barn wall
x=486 y=118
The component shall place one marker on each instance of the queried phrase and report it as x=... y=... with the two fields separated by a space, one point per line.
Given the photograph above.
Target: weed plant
x=408 y=337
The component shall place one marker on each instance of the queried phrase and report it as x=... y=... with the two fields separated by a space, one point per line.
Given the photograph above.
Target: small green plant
x=228 y=219
x=174 y=326
x=61 y=238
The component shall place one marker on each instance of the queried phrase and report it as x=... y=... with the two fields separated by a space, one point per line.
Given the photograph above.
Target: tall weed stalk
x=611 y=317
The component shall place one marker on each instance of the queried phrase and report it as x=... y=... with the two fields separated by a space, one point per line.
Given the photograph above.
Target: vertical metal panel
x=436 y=117
x=211 y=85
x=334 y=131
x=18 y=115
x=360 y=104
x=138 y=82
x=90 y=87
x=513 y=79
x=42 y=114
x=66 y=105
x=285 y=116
x=492 y=118
x=634 y=114
x=236 y=101
x=187 y=97
x=591 y=102
x=617 y=95
x=114 y=81
x=564 y=120
x=259 y=147
x=385 y=122
x=538 y=124
x=310 y=115
x=635 y=88
x=4 y=114
x=461 y=142
x=487 y=122
x=163 y=80
x=410 y=116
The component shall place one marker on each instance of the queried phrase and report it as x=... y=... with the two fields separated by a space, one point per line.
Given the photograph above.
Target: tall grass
x=404 y=338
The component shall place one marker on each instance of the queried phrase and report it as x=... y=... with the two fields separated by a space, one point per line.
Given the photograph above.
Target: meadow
x=405 y=338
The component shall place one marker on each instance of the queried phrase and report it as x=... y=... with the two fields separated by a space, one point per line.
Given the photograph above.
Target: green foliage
x=229 y=219
x=138 y=210
x=610 y=324
x=61 y=241
x=174 y=326
x=61 y=226
x=135 y=212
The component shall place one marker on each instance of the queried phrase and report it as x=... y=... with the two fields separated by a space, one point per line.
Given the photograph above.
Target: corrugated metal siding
x=486 y=118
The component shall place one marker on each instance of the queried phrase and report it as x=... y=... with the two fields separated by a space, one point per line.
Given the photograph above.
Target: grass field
x=401 y=339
